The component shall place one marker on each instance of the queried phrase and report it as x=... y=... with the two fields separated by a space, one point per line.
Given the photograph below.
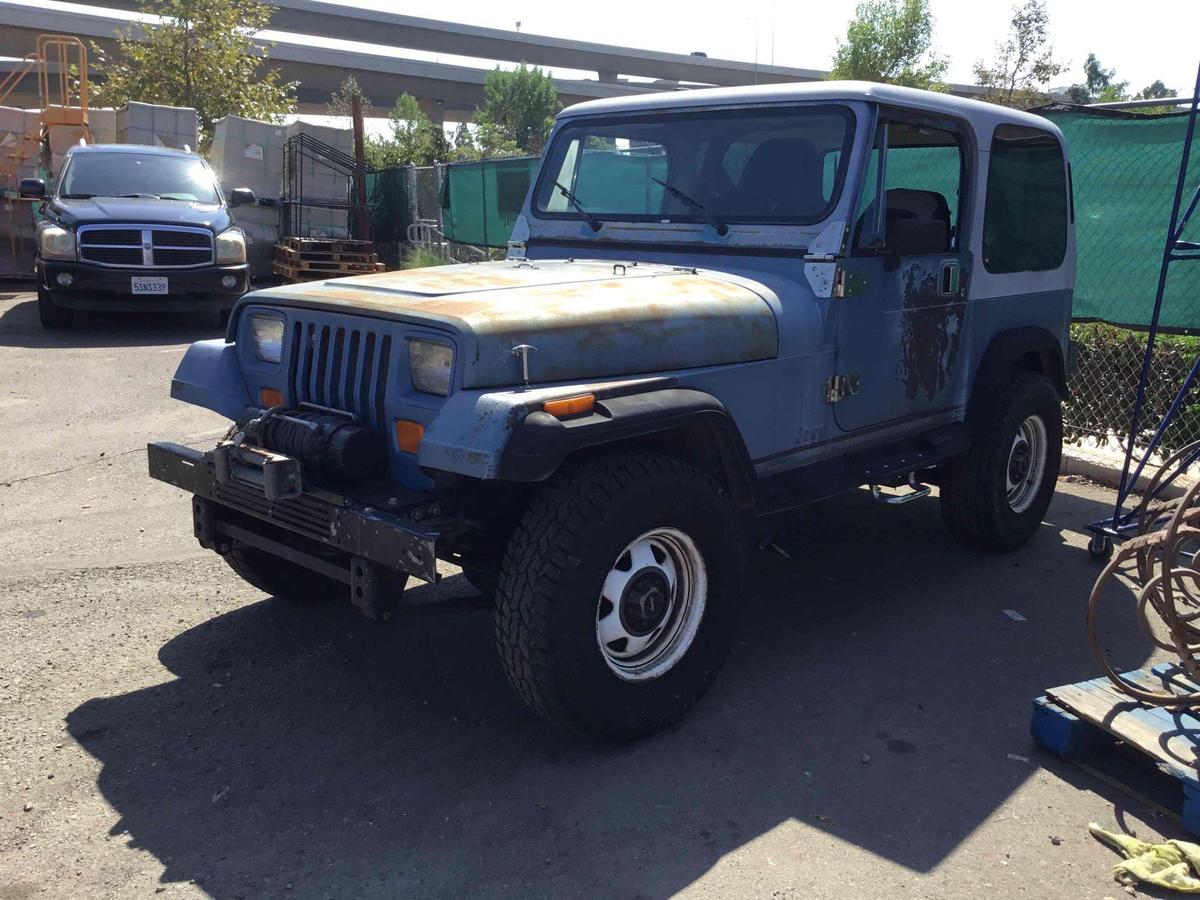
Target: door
x=901 y=319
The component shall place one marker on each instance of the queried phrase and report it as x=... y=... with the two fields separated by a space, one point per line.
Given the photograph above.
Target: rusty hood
x=585 y=319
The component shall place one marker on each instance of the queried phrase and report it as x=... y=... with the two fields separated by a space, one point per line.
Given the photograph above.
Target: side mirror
x=33 y=187
x=241 y=197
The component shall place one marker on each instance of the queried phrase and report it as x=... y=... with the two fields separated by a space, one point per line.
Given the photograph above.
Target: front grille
x=162 y=248
x=345 y=368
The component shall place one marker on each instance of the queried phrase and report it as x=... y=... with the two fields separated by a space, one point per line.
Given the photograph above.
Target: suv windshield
x=134 y=175
x=721 y=166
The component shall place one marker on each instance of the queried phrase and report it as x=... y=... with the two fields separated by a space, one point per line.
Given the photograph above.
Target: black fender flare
x=540 y=443
x=1008 y=351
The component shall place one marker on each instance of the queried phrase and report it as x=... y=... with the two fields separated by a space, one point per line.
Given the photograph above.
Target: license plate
x=147 y=285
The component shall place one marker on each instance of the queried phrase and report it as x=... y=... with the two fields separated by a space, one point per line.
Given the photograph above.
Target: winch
x=329 y=443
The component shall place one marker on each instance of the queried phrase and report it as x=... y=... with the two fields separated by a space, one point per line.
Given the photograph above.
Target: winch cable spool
x=1163 y=562
x=328 y=442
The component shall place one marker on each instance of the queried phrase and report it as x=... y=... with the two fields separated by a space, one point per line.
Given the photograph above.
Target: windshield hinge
x=839 y=387
x=516 y=250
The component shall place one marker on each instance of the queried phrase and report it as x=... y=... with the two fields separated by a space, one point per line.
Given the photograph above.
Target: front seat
x=781 y=178
x=918 y=222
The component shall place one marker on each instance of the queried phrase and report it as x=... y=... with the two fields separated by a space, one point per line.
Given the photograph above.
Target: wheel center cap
x=645 y=602
x=1018 y=463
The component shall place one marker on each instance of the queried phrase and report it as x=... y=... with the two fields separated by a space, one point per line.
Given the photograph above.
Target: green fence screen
x=481 y=200
x=1124 y=168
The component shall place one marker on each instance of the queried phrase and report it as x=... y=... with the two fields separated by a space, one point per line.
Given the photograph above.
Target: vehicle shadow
x=307 y=748
x=19 y=327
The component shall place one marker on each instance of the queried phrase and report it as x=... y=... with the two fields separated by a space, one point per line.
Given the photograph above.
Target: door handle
x=951 y=278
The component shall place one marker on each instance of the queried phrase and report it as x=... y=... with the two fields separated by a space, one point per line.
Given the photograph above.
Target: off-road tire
x=50 y=314
x=974 y=499
x=282 y=579
x=550 y=583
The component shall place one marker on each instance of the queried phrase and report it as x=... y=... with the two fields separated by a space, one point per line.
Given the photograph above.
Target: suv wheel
x=52 y=315
x=995 y=495
x=619 y=595
x=280 y=578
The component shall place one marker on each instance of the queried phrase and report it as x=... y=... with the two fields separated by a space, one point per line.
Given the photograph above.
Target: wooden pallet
x=307 y=259
x=292 y=256
x=328 y=245
x=1148 y=752
x=291 y=273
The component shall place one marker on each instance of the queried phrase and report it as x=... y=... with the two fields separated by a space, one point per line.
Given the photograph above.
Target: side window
x=923 y=173
x=1025 y=223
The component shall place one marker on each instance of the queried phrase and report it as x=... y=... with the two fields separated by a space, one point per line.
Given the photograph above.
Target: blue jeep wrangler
x=718 y=306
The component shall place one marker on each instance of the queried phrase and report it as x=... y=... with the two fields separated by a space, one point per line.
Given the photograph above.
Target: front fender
x=506 y=434
x=210 y=376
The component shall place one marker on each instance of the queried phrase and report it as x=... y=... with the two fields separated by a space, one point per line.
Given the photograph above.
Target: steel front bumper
x=299 y=528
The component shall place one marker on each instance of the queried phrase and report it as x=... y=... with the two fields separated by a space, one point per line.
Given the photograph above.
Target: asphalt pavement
x=165 y=728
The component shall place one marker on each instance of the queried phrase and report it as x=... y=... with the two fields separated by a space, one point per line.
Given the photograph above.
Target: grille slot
x=180 y=239
x=345 y=368
x=113 y=256
x=129 y=237
x=173 y=256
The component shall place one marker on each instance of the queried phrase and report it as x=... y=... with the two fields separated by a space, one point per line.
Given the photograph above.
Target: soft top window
x=133 y=175
x=726 y=165
x=1025 y=223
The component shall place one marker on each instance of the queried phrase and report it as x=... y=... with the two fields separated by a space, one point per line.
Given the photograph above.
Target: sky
x=1143 y=41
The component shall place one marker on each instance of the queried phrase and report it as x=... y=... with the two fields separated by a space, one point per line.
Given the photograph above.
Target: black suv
x=129 y=227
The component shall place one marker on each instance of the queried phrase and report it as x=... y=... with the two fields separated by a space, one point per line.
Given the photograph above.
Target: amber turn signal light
x=270 y=397
x=409 y=434
x=570 y=406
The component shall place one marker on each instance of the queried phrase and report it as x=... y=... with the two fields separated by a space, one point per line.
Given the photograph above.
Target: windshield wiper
x=138 y=197
x=574 y=201
x=76 y=196
x=722 y=228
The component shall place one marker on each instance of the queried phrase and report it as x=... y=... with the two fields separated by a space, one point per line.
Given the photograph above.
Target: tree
x=202 y=54
x=341 y=101
x=1155 y=91
x=1099 y=84
x=413 y=140
x=1024 y=61
x=891 y=41
x=518 y=110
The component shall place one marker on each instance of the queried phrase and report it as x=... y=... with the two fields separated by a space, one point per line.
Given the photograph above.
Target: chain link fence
x=1104 y=386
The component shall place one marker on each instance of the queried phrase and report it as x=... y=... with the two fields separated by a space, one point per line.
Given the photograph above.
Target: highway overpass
x=445 y=90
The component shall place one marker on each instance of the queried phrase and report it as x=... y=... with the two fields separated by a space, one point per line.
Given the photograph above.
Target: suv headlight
x=56 y=243
x=430 y=365
x=231 y=246
x=267 y=332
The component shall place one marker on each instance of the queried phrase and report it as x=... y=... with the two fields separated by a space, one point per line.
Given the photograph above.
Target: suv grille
x=170 y=248
x=344 y=368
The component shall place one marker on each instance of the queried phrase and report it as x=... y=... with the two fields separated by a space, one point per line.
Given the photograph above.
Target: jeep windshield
x=781 y=166
x=136 y=176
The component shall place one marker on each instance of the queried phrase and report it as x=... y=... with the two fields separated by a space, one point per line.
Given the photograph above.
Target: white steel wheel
x=1026 y=463
x=651 y=604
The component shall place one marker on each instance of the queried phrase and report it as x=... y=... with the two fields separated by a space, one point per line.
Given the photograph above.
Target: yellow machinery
x=62 y=71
